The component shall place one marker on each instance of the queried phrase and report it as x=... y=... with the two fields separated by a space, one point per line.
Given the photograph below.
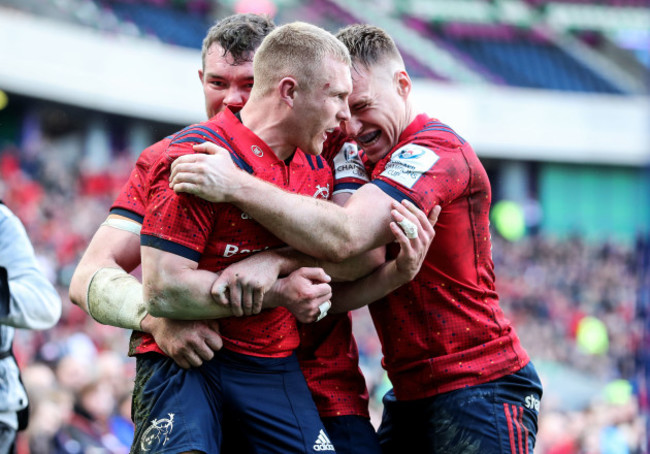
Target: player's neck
x=271 y=128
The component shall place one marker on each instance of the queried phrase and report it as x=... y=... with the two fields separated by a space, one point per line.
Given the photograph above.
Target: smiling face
x=322 y=107
x=225 y=84
x=378 y=109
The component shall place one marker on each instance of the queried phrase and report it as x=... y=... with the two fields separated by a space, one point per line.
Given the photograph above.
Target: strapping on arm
x=115 y=298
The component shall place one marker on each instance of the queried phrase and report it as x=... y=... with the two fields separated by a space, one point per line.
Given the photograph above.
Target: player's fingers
x=194 y=175
x=410 y=227
x=181 y=362
x=214 y=341
x=322 y=309
x=316 y=274
x=419 y=214
x=193 y=359
x=206 y=147
x=247 y=295
x=322 y=291
x=399 y=235
x=220 y=293
x=209 y=148
x=258 y=299
x=183 y=163
x=182 y=187
x=433 y=216
x=204 y=351
x=235 y=299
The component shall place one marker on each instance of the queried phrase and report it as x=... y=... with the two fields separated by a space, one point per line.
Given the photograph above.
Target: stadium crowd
x=79 y=377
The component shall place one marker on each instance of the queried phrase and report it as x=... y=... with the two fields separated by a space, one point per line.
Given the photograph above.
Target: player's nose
x=351 y=126
x=234 y=97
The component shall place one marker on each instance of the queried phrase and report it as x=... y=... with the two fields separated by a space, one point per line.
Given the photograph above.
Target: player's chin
x=315 y=148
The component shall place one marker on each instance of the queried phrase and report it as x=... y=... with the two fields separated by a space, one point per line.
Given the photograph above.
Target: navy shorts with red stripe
x=499 y=417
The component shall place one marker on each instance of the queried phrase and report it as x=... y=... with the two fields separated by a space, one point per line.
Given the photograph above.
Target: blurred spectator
x=27 y=300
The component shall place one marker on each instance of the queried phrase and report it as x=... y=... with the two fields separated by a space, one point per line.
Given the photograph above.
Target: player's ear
x=403 y=83
x=201 y=76
x=288 y=88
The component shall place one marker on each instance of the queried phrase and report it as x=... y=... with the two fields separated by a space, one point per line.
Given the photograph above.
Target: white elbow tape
x=123 y=224
x=115 y=299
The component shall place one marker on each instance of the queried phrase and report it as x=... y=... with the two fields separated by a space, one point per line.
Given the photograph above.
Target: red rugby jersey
x=328 y=353
x=445 y=329
x=217 y=235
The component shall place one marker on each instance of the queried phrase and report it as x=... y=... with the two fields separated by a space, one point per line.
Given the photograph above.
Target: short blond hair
x=298 y=50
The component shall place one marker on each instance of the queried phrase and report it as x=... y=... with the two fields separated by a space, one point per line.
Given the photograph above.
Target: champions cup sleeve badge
x=408 y=153
x=350 y=151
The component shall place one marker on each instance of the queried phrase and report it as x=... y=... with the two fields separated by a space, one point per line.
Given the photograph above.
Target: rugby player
x=462 y=382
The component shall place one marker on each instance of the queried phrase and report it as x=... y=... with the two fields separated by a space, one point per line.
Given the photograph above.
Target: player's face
x=324 y=107
x=377 y=110
x=224 y=83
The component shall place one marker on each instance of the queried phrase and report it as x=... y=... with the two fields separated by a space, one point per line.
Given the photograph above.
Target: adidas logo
x=323 y=443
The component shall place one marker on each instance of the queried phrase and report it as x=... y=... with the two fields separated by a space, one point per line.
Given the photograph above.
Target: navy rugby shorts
x=265 y=400
x=352 y=434
x=499 y=417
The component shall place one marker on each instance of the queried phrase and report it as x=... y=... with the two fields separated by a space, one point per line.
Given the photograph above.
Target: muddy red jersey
x=328 y=353
x=216 y=235
x=444 y=330
x=329 y=360
x=131 y=201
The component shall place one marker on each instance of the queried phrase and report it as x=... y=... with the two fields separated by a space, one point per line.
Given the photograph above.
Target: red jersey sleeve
x=131 y=201
x=429 y=168
x=177 y=223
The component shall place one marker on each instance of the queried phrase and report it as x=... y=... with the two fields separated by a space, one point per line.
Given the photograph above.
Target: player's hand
x=209 y=173
x=412 y=250
x=188 y=342
x=304 y=292
x=242 y=285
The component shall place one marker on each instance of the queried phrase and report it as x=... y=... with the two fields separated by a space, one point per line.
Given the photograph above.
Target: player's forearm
x=315 y=227
x=181 y=294
x=109 y=248
x=348 y=296
x=355 y=267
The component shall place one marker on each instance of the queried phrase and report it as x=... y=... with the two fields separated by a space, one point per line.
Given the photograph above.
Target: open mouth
x=368 y=139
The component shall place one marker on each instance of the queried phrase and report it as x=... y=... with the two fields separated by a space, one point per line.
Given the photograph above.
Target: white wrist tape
x=115 y=298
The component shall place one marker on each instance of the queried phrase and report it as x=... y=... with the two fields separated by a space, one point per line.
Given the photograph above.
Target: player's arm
x=394 y=273
x=102 y=274
x=313 y=226
x=174 y=287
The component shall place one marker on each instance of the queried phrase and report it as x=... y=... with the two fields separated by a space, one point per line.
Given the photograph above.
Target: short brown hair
x=297 y=49
x=238 y=35
x=369 y=45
